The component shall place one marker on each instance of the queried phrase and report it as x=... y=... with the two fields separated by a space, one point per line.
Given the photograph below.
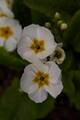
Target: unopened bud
x=63 y=26
x=57 y=15
x=48 y=24
x=59 y=22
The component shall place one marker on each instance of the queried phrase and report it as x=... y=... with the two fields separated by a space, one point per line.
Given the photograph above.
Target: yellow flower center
x=5 y=32
x=2 y=14
x=37 y=45
x=9 y=2
x=41 y=78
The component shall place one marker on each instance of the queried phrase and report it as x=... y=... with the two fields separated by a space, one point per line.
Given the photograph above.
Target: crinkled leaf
x=67 y=64
x=22 y=12
x=44 y=108
x=15 y=105
x=69 y=88
x=73 y=30
x=76 y=43
x=39 y=18
x=12 y=61
x=49 y=7
x=71 y=82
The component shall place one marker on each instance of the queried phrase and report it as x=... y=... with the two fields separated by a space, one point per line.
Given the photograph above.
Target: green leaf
x=44 y=108
x=73 y=30
x=67 y=77
x=9 y=60
x=69 y=59
x=76 y=43
x=76 y=81
x=39 y=18
x=71 y=83
x=22 y=12
x=49 y=7
x=15 y=105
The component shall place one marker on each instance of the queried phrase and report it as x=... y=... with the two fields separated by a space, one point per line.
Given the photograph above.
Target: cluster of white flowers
x=10 y=29
x=35 y=44
x=40 y=78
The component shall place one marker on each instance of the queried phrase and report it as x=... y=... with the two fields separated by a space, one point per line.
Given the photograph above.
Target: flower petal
x=33 y=88
x=16 y=27
x=54 y=89
x=33 y=59
x=38 y=96
x=1 y=42
x=30 y=31
x=27 y=77
x=10 y=45
x=5 y=9
x=54 y=71
x=23 y=46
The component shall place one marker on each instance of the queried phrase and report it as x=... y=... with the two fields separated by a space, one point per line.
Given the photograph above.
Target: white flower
x=37 y=84
x=10 y=33
x=4 y=10
x=58 y=56
x=37 y=43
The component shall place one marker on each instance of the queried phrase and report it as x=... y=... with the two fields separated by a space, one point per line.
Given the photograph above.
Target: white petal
x=33 y=59
x=54 y=89
x=10 y=45
x=1 y=42
x=27 y=77
x=44 y=34
x=33 y=88
x=38 y=96
x=54 y=71
x=5 y=9
x=30 y=31
x=17 y=29
x=23 y=46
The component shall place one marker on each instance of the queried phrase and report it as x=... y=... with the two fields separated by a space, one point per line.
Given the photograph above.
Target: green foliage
x=44 y=108
x=49 y=7
x=68 y=84
x=72 y=34
x=15 y=105
x=67 y=64
x=12 y=61
x=71 y=82
x=38 y=18
x=76 y=43
x=22 y=12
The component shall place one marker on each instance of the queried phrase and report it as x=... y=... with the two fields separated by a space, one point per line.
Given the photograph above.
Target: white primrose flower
x=37 y=43
x=5 y=11
x=58 y=56
x=10 y=33
x=38 y=83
